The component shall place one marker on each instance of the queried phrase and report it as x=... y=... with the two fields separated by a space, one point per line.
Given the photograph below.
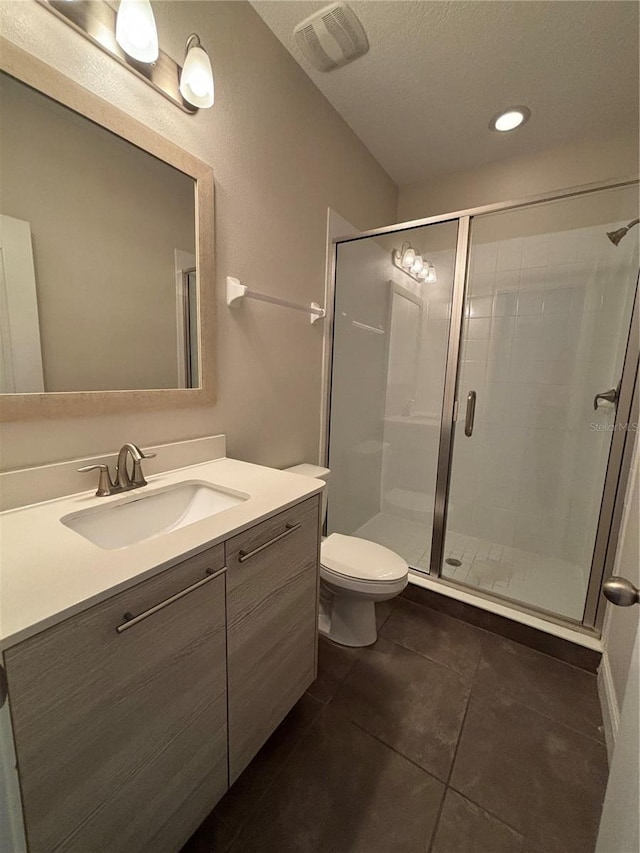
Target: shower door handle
x=471 y=413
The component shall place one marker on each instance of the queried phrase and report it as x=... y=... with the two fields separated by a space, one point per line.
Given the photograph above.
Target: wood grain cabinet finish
x=121 y=738
x=272 y=595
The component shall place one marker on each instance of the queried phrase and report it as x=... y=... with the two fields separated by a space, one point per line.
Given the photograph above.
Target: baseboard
x=608 y=704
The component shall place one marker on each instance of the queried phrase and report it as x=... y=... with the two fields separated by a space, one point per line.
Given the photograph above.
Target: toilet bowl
x=354 y=574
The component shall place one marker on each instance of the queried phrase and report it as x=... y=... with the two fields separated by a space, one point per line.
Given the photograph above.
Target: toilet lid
x=359 y=558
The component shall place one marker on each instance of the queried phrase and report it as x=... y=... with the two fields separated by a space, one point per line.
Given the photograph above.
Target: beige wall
x=106 y=219
x=281 y=155
x=584 y=162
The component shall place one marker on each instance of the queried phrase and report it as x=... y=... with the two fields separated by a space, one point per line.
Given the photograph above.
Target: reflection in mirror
x=403 y=358
x=98 y=284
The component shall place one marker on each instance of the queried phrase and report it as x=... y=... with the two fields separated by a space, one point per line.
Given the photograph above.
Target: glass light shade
x=408 y=257
x=423 y=274
x=417 y=265
x=431 y=273
x=196 y=80
x=136 y=30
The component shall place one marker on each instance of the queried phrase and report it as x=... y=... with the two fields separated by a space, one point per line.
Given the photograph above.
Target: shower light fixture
x=136 y=31
x=130 y=37
x=510 y=118
x=413 y=264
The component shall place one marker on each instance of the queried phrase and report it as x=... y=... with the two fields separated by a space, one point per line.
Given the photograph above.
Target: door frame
x=618 y=466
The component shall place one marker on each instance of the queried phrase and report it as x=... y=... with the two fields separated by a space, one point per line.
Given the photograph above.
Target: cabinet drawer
x=272 y=598
x=121 y=735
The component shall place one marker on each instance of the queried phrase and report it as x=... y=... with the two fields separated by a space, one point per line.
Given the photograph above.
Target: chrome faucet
x=122 y=481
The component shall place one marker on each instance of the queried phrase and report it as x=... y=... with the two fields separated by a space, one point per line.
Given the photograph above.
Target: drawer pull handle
x=131 y=620
x=290 y=528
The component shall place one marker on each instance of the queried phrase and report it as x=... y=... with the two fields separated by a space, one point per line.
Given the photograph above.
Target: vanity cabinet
x=272 y=599
x=120 y=723
x=132 y=718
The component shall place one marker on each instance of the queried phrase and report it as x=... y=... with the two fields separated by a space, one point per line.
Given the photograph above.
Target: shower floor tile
x=551 y=584
x=441 y=737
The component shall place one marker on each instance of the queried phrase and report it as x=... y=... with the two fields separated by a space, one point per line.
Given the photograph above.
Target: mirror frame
x=27 y=69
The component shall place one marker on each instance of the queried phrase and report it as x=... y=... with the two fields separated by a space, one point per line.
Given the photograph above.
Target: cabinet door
x=272 y=598
x=121 y=735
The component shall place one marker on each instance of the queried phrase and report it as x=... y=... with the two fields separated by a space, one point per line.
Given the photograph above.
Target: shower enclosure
x=481 y=397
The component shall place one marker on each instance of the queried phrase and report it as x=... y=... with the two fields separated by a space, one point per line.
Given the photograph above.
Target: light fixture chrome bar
x=96 y=21
x=237 y=291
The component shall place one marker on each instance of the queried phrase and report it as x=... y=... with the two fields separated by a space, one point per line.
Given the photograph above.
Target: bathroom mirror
x=106 y=233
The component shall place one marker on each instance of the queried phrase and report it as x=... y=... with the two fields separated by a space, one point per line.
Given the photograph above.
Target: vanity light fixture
x=510 y=119
x=413 y=264
x=136 y=31
x=130 y=37
x=196 y=80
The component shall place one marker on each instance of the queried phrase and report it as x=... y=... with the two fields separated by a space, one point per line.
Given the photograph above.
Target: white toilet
x=354 y=574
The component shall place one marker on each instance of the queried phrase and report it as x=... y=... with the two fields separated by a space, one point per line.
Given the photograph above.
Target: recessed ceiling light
x=510 y=118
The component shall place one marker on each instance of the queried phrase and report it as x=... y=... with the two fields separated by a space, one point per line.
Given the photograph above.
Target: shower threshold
x=484 y=569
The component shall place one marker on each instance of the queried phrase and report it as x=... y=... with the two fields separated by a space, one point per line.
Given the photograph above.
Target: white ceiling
x=437 y=70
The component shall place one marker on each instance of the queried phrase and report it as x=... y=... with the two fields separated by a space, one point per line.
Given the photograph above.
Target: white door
x=620 y=822
x=20 y=351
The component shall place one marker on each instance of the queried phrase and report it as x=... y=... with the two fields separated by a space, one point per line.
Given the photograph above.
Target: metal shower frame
x=622 y=443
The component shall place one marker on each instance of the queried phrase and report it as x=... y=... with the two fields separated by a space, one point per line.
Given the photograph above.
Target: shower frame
x=627 y=412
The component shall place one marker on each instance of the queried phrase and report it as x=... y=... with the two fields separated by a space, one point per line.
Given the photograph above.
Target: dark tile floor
x=440 y=738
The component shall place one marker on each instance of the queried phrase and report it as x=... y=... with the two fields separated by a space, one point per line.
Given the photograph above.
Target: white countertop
x=49 y=572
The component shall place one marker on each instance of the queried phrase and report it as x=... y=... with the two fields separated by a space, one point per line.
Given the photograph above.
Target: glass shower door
x=389 y=353
x=546 y=321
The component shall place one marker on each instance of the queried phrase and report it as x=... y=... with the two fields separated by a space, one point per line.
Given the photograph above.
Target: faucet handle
x=105 y=486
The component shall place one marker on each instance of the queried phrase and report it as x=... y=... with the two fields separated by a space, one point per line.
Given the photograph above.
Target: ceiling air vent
x=331 y=37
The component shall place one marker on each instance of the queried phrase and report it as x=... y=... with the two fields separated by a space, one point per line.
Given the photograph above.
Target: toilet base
x=348 y=620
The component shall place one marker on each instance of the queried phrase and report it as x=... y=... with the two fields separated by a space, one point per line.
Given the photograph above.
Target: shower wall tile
x=535 y=251
x=479 y=306
x=510 y=254
x=530 y=302
x=505 y=304
x=532 y=472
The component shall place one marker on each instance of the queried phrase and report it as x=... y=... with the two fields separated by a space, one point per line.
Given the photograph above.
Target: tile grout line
x=393 y=749
x=460 y=730
x=436 y=825
x=489 y=812
x=453 y=759
x=448 y=786
x=425 y=657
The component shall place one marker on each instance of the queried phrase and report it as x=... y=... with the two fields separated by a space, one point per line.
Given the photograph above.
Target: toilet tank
x=318 y=473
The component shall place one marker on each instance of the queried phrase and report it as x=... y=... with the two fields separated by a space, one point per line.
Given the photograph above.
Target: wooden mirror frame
x=27 y=69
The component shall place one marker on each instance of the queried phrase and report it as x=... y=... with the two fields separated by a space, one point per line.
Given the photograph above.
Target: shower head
x=616 y=236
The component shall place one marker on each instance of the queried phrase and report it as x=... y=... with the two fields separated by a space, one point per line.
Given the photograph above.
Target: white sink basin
x=144 y=514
